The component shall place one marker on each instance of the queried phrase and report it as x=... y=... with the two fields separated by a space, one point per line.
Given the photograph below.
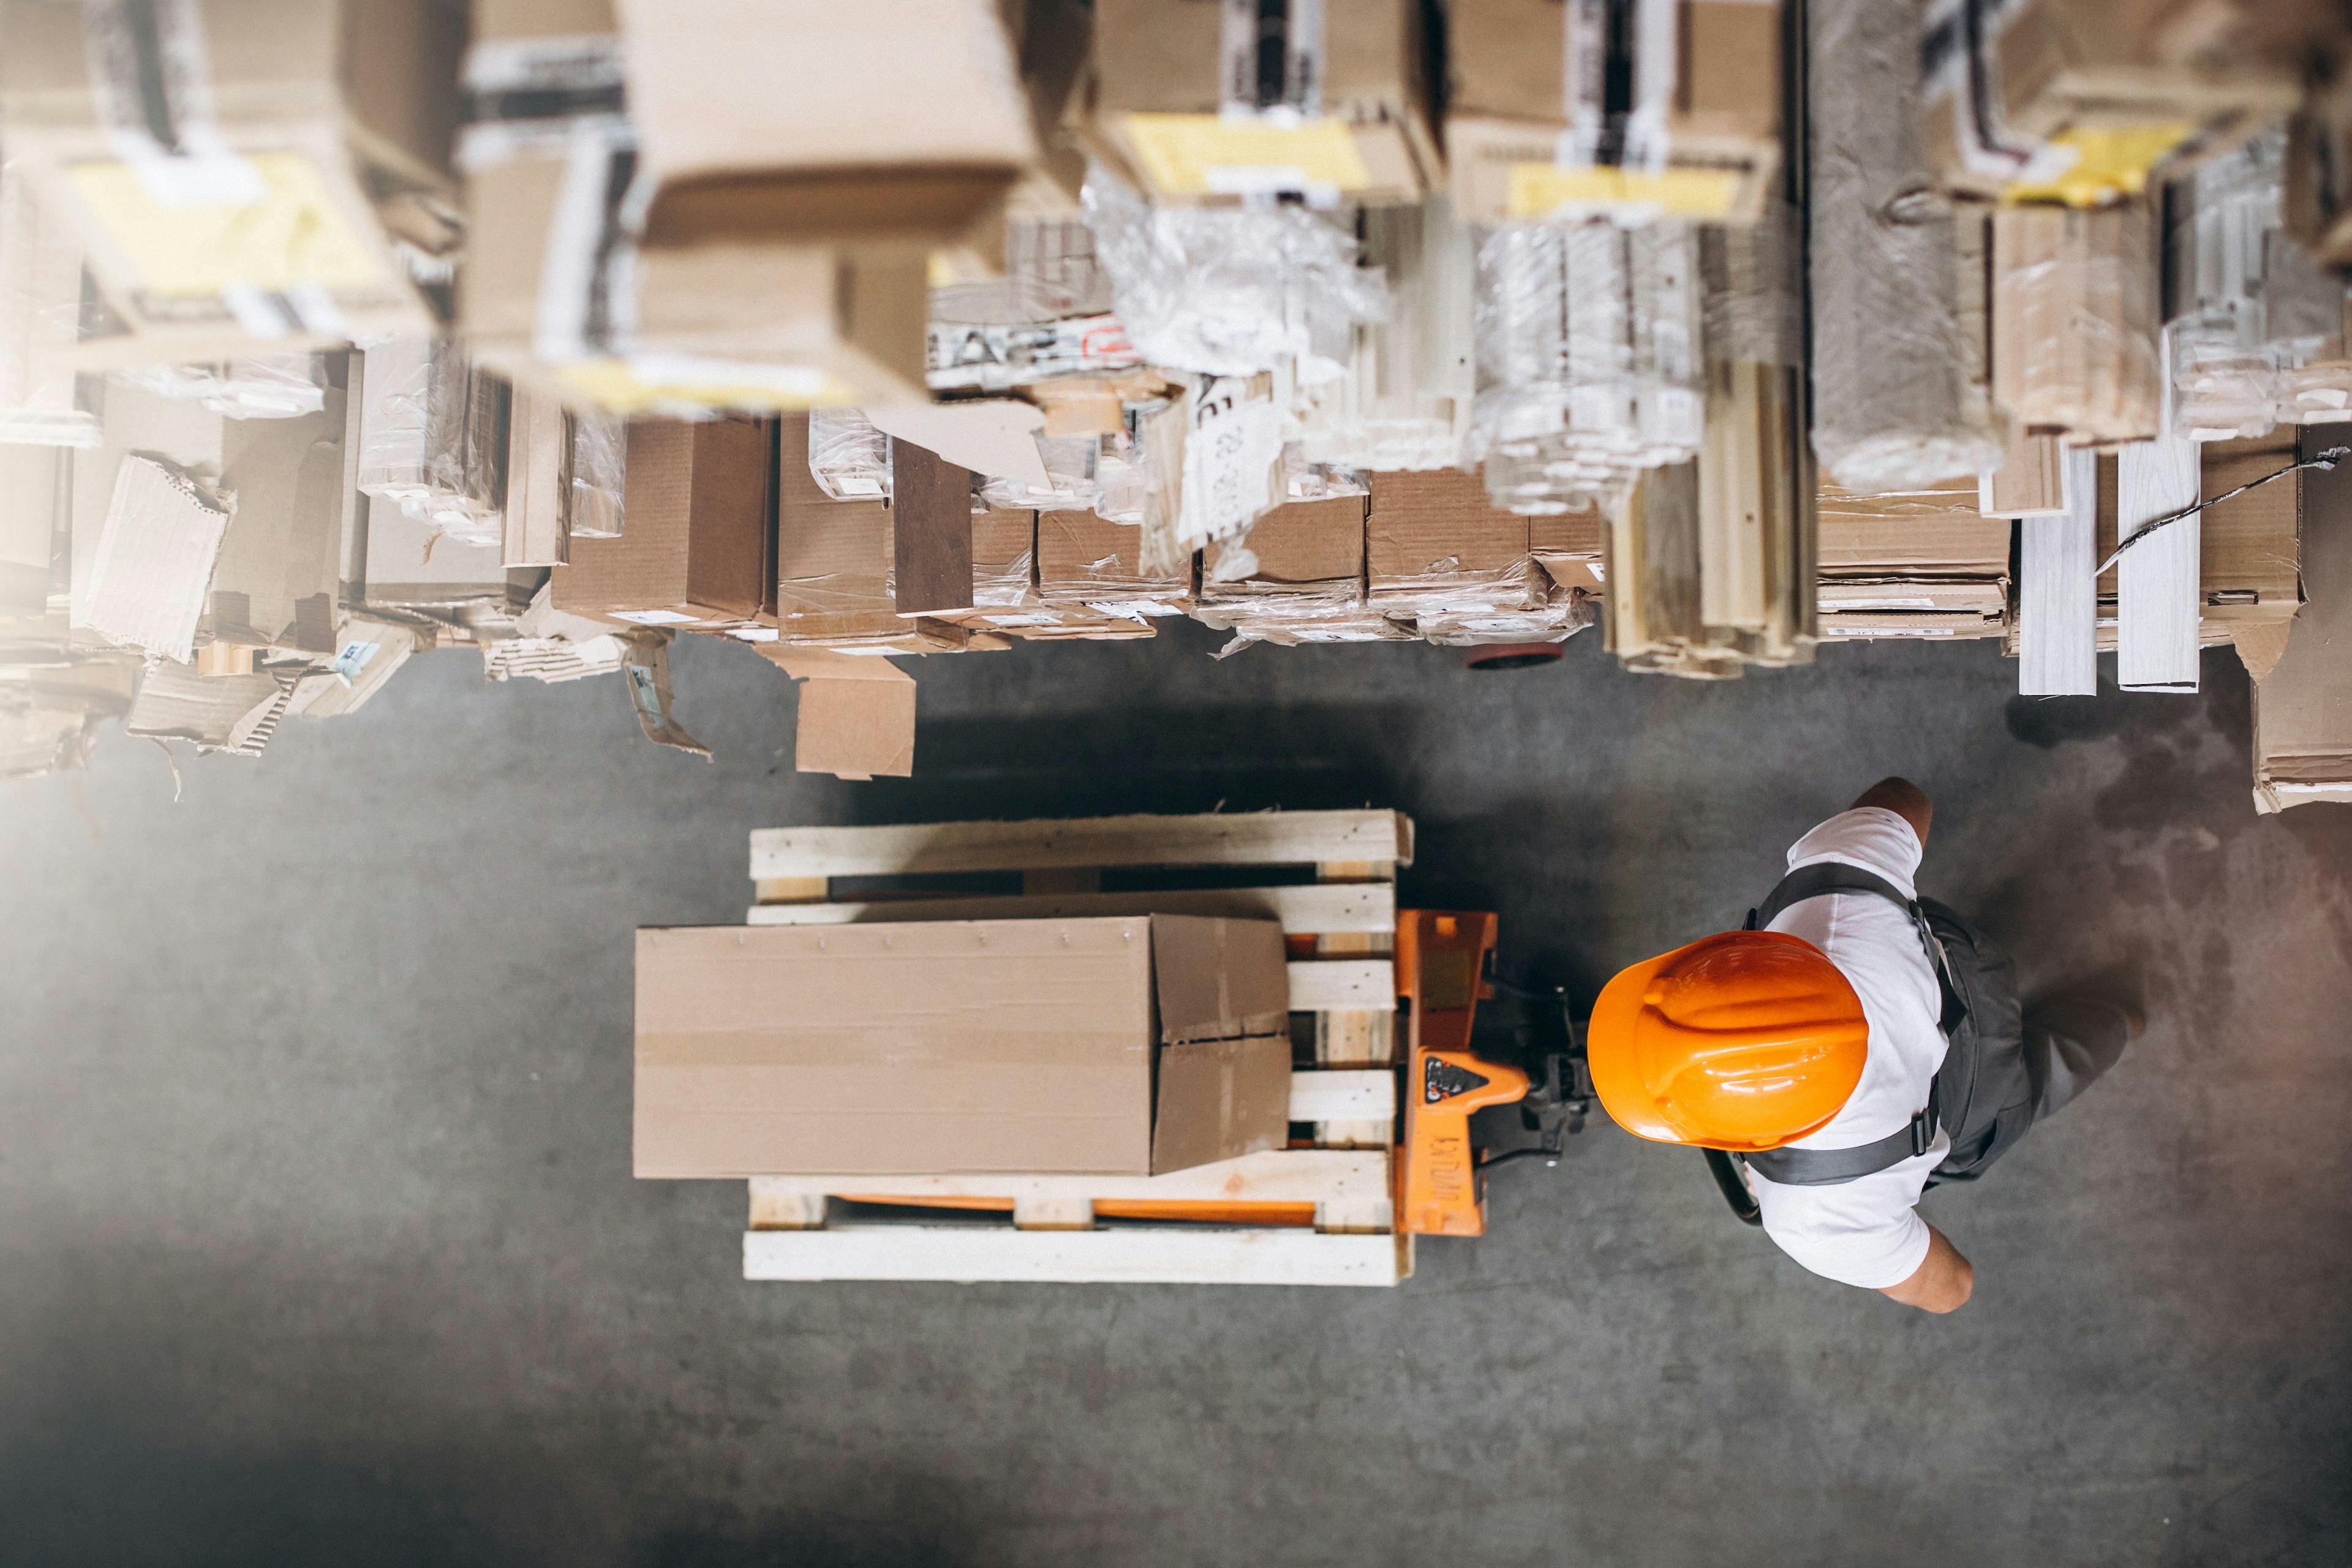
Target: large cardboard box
x=2303 y=705
x=1712 y=66
x=700 y=546
x=1351 y=119
x=778 y=260
x=1436 y=544
x=1086 y=560
x=2086 y=99
x=238 y=169
x=1127 y=1045
x=2074 y=319
x=1303 y=548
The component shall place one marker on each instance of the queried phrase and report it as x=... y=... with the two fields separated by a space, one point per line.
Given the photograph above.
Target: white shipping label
x=654 y=617
x=1229 y=460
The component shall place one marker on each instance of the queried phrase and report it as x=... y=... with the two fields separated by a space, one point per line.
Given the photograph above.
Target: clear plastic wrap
x=258 y=386
x=1589 y=341
x=1895 y=404
x=1231 y=290
x=1072 y=463
x=433 y=437
x=595 y=472
x=847 y=456
x=40 y=319
x=1405 y=402
x=1554 y=621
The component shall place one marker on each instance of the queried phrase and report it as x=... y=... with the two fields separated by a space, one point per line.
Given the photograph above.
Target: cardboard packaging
x=1127 y=1045
x=1435 y=544
x=1704 y=125
x=36 y=509
x=1184 y=105
x=1084 y=560
x=857 y=714
x=1303 y=549
x=2303 y=704
x=2087 y=100
x=778 y=261
x=2075 y=320
x=2249 y=553
x=700 y=547
x=237 y=170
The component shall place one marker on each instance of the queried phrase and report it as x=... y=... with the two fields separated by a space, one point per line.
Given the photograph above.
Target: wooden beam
x=1133 y=1257
x=1356 y=1037
x=1253 y=838
x=1274 y=1177
x=2057 y=593
x=1363 y=1094
x=930 y=531
x=2159 y=604
x=1367 y=909
x=2030 y=482
x=1343 y=985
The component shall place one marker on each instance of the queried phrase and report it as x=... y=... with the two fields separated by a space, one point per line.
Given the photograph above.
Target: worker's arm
x=1944 y=1280
x=1906 y=800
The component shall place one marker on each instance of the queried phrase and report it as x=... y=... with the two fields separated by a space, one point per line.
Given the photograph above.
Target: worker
x=1854 y=1045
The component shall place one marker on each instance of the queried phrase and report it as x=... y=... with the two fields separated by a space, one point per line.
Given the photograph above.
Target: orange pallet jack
x=1445 y=968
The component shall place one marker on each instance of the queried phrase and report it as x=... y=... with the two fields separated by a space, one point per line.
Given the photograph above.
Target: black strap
x=1829 y=1167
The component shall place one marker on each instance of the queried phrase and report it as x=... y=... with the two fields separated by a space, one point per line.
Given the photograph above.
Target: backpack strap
x=1830 y=1167
x=1826 y=877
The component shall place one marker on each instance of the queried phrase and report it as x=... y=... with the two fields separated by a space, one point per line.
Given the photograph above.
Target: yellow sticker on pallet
x=296 y=235
x=1204 y=154
x=2108 y=164
x=1539 y=191
x=646 y=382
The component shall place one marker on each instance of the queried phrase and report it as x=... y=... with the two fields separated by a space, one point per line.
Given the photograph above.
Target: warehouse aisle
x=321 y=1244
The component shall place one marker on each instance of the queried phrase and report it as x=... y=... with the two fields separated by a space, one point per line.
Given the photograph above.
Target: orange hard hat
x=1742 y=1041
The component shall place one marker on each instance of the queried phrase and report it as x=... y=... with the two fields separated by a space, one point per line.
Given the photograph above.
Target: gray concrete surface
x=320 y=1245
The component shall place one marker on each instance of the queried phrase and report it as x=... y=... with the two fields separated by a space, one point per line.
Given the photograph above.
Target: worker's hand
x=1944 y=1280
x=1904 y=799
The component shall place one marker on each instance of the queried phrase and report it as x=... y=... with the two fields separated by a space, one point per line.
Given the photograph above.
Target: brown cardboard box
x=2051 y=70
x=1507 y=107
x=259 y=204
x=1150 y=99
x=1125 y=1046
x=1312 y=547
x=1084 y=560
x=2249 y=549
x=699 y=546
x=1434 y=542
x=2074 y=319
x=2303 y=705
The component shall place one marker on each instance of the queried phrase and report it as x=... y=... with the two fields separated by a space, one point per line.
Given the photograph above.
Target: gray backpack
x=1982 y=1096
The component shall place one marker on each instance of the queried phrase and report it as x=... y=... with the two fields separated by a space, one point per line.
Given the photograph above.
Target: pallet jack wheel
x=1512 y=656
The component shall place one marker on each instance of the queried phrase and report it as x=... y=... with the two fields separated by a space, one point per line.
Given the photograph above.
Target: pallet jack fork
x=1445 y=968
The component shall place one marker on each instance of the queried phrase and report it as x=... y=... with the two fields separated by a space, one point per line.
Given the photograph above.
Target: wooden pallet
x=1321 y=1214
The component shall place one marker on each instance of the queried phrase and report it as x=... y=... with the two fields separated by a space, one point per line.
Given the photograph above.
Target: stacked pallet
x=1321 y=1211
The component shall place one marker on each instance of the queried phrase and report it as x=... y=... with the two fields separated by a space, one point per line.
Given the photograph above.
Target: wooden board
x=2158 y=604
x=1137 y=1256
x=1363 y=1094
x=1381 y=838
x=1305 y=909
x=1275 y=1176
x=2057 y=596
x=1343 y=985
x=930 y=533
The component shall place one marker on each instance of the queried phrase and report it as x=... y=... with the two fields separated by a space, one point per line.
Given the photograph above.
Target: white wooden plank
x=1274 y=1177
x=2159 y=604
x=1304 y=909
x=1337 y=984
x=2057 y=593
x=1129 y=1257
x=1354 y=1095
x=1254 y=838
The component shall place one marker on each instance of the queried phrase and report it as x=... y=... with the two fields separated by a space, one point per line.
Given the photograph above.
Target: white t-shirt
x=1864 y=1232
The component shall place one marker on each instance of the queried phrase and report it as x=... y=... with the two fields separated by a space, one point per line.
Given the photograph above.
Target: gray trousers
x=2069 y=1042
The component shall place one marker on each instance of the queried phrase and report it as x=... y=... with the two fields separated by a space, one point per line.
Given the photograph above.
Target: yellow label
x=1202 y=154
x=1537 y=191
x=295 y=236
x=2108 y=164
x=625 y=387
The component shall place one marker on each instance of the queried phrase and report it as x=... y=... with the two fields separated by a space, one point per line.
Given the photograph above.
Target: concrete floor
x=321 y=1244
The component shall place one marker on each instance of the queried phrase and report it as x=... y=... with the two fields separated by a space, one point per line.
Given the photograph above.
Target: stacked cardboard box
x=1917 y=564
